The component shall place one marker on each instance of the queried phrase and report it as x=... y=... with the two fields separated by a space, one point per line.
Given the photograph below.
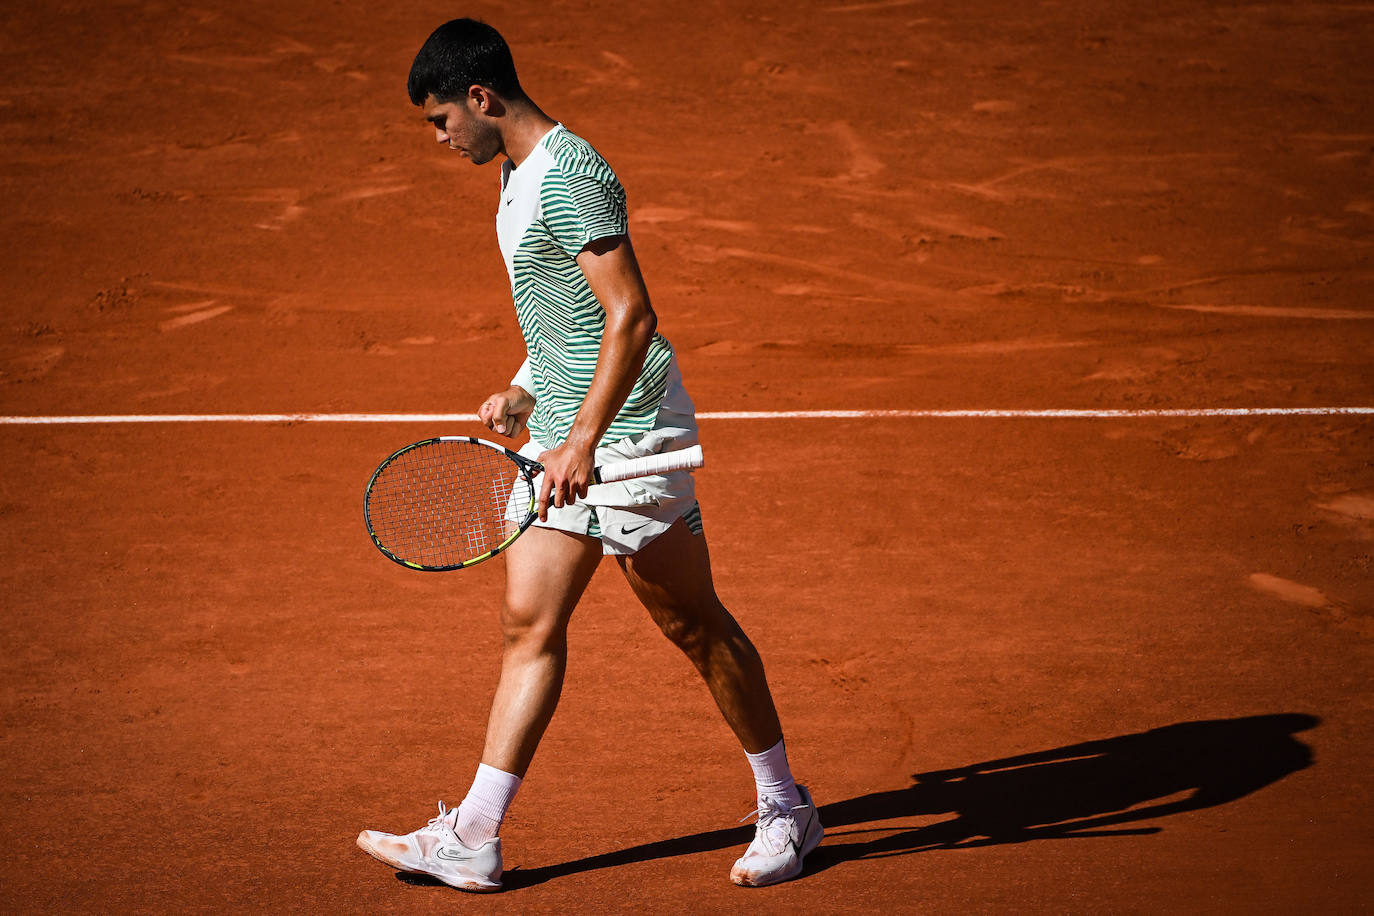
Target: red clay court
x=1082 y=664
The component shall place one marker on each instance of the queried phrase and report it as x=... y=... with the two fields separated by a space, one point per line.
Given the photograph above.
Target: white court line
x=1070 y=414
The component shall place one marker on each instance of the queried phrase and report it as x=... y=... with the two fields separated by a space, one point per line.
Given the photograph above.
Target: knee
x=694 y=632
x=526 y=628
x=685 y=633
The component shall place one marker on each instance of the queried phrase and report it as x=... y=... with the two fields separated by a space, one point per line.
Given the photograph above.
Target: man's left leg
x=671 y=576
x=546 y=572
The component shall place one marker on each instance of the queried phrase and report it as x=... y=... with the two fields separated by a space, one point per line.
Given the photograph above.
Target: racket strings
x=444 y=503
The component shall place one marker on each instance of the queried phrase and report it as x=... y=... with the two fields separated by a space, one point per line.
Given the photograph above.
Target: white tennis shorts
x=628 y=514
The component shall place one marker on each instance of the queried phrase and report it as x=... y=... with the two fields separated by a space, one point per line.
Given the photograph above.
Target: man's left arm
x=613 y=274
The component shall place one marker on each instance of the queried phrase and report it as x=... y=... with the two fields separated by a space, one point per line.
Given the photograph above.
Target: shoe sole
x=387 y=860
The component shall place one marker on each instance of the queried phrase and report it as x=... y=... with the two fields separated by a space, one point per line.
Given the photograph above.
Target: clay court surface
x=1026 y=665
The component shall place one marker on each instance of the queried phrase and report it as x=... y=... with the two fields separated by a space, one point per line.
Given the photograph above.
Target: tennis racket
x=454 y=501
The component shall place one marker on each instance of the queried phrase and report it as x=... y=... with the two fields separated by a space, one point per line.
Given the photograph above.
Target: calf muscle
x=672 y=579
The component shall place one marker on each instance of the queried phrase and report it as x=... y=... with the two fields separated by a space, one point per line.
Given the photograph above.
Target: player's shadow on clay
x=1083 y=790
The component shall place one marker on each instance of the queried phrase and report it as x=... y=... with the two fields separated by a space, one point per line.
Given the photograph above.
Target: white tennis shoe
x=435 y=850
x=781 y=838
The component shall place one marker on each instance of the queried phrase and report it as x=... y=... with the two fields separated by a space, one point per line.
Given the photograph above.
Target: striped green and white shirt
x=562 y=197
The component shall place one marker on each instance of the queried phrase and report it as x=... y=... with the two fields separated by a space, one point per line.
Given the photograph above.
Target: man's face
x=462 y=126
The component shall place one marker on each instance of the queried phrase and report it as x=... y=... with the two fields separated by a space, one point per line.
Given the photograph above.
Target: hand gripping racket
x=455 y=501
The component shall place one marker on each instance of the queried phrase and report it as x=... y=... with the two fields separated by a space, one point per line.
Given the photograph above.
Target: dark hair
x=460 y=54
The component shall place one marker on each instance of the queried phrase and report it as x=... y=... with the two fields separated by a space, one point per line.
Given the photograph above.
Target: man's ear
x=482 y=100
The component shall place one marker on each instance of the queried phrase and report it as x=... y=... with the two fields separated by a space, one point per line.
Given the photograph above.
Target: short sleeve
x=583 y=206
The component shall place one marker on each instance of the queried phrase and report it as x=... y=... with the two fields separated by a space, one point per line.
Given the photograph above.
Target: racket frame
x=528 y=469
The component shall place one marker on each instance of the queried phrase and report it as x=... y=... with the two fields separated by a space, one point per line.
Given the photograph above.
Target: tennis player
x=599 y=385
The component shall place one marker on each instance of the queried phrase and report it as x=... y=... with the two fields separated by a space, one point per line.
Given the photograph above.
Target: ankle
x=482 y=811
x=773 y=776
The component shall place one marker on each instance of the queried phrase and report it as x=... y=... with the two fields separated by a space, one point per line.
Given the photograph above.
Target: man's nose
x=439 y=135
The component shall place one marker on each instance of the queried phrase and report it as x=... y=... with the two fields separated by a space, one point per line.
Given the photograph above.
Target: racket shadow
x=1093 y=789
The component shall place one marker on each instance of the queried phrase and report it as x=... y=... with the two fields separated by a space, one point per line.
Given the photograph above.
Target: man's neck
x=525 y=127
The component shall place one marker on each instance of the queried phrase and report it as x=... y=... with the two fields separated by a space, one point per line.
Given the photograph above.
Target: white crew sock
x=481 y=813
x=774 y=777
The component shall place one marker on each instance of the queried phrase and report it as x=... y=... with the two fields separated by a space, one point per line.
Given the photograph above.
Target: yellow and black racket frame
x=527 y=468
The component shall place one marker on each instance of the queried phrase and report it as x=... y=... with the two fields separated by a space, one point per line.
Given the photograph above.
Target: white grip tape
x=662 y=463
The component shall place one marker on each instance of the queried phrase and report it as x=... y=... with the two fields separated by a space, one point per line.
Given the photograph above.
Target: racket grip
x=662 y=463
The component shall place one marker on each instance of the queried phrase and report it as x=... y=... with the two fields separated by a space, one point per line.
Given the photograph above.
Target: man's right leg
x=672 y=578
x=546 y=573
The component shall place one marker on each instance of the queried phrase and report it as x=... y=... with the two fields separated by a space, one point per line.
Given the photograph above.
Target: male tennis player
x=599 y=385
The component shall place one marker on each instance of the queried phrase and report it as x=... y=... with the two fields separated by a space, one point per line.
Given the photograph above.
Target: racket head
x=449 y=502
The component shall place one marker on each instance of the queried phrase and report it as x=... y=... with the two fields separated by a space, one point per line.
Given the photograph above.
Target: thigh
x=671 y=575
x=546 y=572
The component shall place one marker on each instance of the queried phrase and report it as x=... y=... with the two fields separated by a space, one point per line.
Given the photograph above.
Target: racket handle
x=662 y=463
